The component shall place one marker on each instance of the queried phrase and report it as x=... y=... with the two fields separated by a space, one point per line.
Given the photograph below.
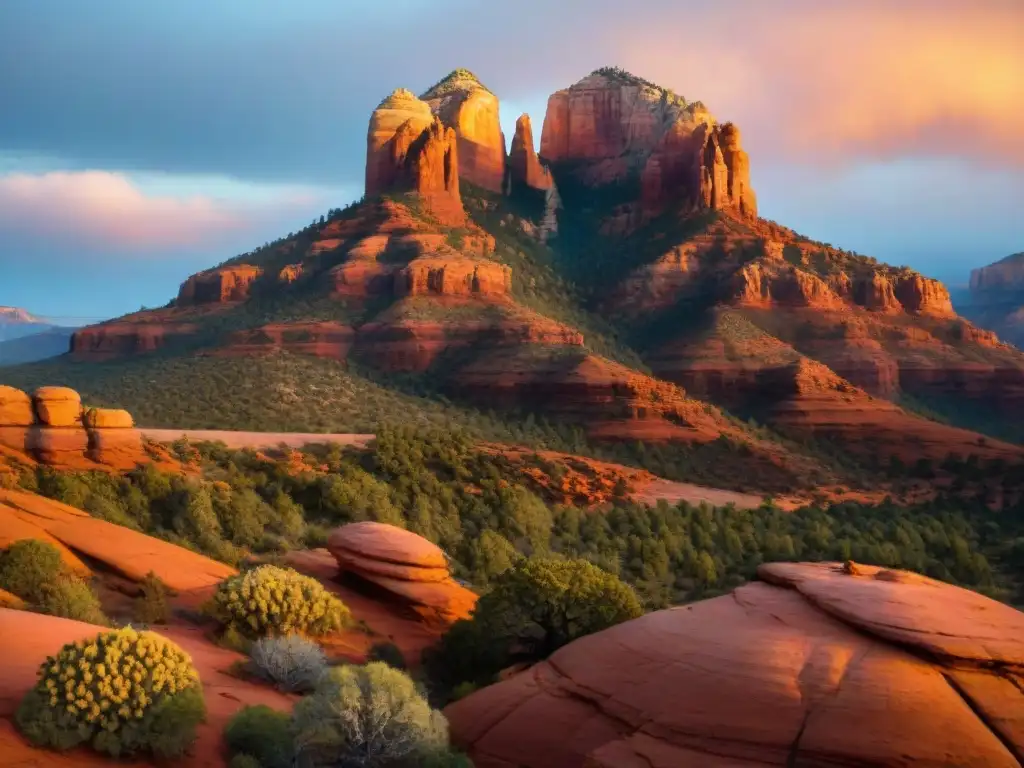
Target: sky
x=142 y=142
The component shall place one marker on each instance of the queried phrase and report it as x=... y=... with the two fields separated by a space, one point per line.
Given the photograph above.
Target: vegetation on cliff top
x=455 y=80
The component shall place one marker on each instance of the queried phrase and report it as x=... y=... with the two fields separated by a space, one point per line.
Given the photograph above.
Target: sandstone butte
x=815 y=664
x=52 y=427
x=404 y=564
x=411 y=150
x=465 y=105
x=412 y=243
x=616 y=122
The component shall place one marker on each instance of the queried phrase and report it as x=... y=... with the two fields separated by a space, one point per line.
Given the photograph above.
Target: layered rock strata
x=403 y=564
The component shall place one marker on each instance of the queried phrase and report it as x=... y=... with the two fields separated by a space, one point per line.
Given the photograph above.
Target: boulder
x=58 y=406
x=388 y=543
x=15 y=438
x=816 y=664
x=405 y=565
x=108 y=418
x=15 y=408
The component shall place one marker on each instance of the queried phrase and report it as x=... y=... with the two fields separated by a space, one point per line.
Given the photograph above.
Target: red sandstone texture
x=217 y=286
x=410 y=150
x=472 y=111
x=55 y=431
x=403 y=564
x=810 y=666
x=615 y=124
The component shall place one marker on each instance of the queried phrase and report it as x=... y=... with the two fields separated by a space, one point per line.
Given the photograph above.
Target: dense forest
x=474 y=505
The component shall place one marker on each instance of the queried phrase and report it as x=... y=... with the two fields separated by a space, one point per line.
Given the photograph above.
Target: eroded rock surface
x=404 y=564
x=811 y=666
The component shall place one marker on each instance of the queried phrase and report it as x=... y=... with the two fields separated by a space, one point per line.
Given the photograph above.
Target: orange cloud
x=100 y=208
x=851 y=80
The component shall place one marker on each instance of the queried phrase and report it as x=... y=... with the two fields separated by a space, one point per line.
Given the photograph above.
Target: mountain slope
x=33 y=347
x=613 y=280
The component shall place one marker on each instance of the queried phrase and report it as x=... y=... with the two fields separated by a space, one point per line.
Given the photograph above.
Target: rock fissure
x=985 y=719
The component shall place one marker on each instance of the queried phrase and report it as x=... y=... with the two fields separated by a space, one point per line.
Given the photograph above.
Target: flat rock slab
x=765 y=676
x=128 y=552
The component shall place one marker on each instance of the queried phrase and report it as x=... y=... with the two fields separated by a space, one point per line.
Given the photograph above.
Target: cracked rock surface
x=810 y=666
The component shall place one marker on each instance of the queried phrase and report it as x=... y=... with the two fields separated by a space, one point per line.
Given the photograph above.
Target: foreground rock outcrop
x=119 y=549
x=816 y=664
x=403 y=564
x=53 y=427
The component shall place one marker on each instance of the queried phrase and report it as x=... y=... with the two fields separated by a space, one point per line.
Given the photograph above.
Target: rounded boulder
x=15 y=408
x=58 y=406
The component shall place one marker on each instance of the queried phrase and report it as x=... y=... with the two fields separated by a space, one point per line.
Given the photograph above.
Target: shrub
x=151 y=606
x=388 y=653
x=262 y=733
x=269 y=600
x=72 y=598
x=122 y=692
x=369 y=716
x=242 y=760
x=27 y=566
x=533 y=610
x=292 y=663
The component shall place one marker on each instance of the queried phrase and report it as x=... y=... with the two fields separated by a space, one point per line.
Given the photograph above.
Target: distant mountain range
x=27 y=338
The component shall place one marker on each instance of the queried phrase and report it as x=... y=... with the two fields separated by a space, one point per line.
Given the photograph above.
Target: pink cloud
x=106 y=210
x=826 y=81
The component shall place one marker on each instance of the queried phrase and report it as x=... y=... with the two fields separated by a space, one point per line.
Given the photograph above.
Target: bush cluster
x=33 y=570
x=269 y=600
x=122 y=692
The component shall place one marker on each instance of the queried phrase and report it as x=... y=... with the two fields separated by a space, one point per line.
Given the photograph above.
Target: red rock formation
x=472 y=111
x=876 y=293
x=322 y=339
x=118 y=448
x=414 y=345
x=453 y=277
x=15 y=408
x=218 y=286
x=616 y=123
x=404 y=564
x=58 y=446
x=923 y=296
x=128 y=336
x=810 y=666
x=524 y=166
x=410 y=150
x=58 y=406
x=759 y=285
x=397 y=110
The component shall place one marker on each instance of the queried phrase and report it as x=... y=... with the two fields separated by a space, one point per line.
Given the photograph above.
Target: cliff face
x=217 y=286
x=411 y=150
x=1005 y=275
x=611 y=123
x=467 y=107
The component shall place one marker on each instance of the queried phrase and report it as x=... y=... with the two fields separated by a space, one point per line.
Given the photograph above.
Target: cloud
x=269 y=91
x=105 y=210
x=842 y=82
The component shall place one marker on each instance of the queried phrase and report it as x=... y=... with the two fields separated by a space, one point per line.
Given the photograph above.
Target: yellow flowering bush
x=269 y=600
x=123 y=692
